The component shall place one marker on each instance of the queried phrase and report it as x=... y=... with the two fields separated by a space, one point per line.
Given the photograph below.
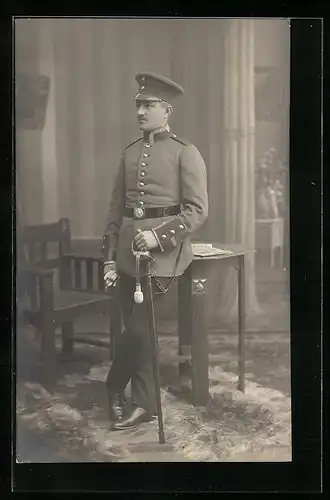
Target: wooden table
x=192 y=318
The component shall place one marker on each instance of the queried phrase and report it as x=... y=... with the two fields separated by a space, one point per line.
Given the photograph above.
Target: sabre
x=154 y=343
x=138 y=299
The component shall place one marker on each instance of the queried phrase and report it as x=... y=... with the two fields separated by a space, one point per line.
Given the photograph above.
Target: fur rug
x=70 y=423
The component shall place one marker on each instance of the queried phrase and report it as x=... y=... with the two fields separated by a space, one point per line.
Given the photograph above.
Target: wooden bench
x=55 y=287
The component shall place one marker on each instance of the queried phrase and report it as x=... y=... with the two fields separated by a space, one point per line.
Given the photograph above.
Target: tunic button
x=145 y=155
x=181 y=226
x=141 y=202
x=141 y=184
x=142 y=193
x=143 y=174
x=172 y=231
x=163 y=236
x=147 y=145
x=143 y=164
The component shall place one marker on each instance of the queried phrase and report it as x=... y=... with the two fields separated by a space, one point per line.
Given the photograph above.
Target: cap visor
x=144 y=97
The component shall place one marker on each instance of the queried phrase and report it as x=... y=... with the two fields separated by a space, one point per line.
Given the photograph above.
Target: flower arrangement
x=270 y=191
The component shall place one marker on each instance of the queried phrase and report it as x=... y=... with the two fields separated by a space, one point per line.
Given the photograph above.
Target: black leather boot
x=116 y=407
x=138 y=416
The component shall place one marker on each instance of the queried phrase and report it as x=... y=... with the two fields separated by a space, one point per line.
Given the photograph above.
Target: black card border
x=304 y=473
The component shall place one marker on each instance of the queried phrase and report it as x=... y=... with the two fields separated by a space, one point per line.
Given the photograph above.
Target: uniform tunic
x=158 y=171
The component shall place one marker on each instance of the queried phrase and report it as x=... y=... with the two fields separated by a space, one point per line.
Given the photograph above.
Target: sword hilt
x=138 y=294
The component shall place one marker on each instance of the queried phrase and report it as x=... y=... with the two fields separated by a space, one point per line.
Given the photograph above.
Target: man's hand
x=145 y=240
x=110 y=276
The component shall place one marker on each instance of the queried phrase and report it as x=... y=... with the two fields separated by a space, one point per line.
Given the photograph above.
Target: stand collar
x=157 y=135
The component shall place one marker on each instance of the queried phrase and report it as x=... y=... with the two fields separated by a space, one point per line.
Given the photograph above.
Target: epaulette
x=131 y=144
x=180 y=139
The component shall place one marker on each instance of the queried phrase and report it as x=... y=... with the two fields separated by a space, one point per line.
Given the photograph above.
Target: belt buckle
x=139 y=213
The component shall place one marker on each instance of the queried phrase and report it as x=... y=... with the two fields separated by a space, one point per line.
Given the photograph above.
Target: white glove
x=110 y=276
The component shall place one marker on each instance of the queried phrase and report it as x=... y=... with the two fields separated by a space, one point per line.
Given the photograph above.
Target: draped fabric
x=68 y=168
x=239 y=158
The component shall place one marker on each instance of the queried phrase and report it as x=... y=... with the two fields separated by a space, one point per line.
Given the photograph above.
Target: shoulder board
x=131 y=144
x=180 y=139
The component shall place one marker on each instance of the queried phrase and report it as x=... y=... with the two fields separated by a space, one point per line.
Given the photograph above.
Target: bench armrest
x=34 y=270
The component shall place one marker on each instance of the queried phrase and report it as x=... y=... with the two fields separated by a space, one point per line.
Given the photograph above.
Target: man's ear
x=169 y=110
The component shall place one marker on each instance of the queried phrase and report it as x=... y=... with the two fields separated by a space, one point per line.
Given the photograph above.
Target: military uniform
x=159 y=171
x=161 y=185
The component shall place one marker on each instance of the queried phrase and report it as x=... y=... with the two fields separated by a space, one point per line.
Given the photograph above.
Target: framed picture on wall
x=32 y=91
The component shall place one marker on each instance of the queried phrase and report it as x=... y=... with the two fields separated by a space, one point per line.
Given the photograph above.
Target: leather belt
x=151 y=212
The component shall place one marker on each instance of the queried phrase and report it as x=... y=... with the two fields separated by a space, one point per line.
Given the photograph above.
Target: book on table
x=208 y=250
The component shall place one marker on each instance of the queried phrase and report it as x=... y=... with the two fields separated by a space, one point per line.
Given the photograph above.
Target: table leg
x=199 y=351
x=241 y=323
x=272 y=257
x=281 y=256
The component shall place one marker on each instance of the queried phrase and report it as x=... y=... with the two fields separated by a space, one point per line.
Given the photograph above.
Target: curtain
x=68 y=168
x=239 y=160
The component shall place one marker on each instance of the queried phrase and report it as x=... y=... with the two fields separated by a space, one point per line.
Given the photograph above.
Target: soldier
x=159 y=199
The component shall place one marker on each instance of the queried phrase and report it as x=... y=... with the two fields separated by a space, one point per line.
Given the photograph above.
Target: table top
x=238 y=250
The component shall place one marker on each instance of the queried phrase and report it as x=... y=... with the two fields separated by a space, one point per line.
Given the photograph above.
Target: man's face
x=151 y=115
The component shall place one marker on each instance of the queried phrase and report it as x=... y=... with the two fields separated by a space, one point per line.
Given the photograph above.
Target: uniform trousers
x=133 y=351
